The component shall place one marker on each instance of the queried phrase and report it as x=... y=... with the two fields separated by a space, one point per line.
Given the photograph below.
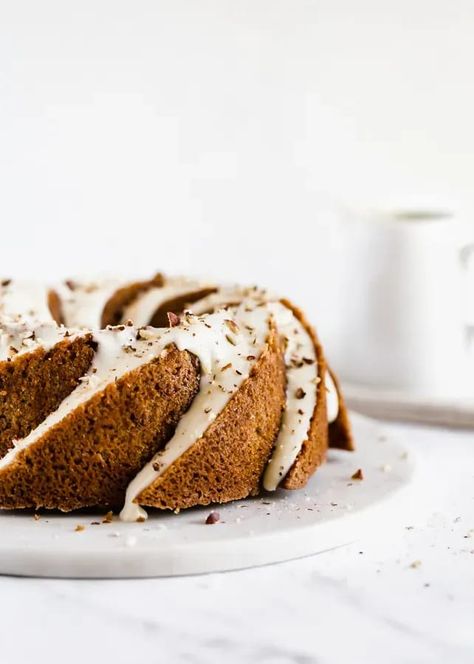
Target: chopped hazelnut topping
x=90 y=288
x=232 y=325
x=230 y=340
x=212 y=518
x=296 y=364
x=79 y=528
x=144 y=334
x=108 y=518
x=173 y=319
x=300 y=393
x=358 y=475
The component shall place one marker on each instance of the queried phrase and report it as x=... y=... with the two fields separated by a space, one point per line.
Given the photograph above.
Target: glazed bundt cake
x=166 y=393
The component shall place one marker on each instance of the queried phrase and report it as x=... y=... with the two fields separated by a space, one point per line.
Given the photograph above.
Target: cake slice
x=228 y=458
x=39 y=368
x=40 y=363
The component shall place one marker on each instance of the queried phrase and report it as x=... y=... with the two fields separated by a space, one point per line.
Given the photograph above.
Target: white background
x=217 y=136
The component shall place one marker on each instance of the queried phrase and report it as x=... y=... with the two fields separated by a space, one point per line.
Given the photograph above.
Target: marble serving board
x=450 y=411
x=331 y=511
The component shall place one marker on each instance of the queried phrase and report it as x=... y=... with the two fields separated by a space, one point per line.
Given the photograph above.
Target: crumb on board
x=212 y=518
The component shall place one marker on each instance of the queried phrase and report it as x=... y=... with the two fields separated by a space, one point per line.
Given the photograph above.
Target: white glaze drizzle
x=24 y=302
x=141 y=310
x=230 y=295
x=332 y=398
x=16 y=339
x=83 y=304
x=227 y=355
x=301 y=393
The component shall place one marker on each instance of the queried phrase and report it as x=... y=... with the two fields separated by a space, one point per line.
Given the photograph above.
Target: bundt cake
x=165 y=393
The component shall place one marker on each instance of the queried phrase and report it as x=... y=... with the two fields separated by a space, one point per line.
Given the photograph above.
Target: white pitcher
x=405 y=302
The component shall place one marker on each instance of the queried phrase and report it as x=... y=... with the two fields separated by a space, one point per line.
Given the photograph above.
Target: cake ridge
x=224 y=367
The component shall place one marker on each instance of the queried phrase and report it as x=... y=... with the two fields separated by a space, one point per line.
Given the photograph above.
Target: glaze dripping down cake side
x=163 y=393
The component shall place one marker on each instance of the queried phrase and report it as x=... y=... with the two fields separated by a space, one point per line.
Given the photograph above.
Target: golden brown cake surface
x=35 y=384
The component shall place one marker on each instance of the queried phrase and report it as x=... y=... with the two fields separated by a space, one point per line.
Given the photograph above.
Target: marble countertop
x=403 y=595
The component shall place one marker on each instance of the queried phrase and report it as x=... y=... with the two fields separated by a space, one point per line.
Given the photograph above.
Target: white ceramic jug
x=404 y=302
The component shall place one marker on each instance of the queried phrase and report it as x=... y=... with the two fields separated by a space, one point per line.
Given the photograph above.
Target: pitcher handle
x=465 y=256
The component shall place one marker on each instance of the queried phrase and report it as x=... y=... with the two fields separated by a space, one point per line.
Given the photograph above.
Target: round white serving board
x=331 y=511
x=384 y=403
